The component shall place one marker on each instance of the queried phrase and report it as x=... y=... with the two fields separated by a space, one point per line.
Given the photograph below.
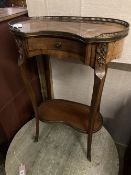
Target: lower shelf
x=71 y=113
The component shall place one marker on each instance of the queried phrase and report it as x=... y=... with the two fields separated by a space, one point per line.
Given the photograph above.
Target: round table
x=61 y=150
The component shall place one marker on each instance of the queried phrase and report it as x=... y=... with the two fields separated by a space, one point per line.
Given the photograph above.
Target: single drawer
x=35 y=43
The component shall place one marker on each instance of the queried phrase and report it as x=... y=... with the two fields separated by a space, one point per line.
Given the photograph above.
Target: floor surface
x=121 y=150
x=61 y=150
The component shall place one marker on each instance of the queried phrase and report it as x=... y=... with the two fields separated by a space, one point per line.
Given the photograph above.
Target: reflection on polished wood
x=92 y=41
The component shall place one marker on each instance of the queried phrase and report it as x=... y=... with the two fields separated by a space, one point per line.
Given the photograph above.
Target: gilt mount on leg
x=99 y=79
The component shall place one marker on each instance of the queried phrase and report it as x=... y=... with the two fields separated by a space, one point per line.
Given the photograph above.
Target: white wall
x=74 y=81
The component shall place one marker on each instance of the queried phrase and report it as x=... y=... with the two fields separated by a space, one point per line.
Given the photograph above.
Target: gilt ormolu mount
x=94 y=41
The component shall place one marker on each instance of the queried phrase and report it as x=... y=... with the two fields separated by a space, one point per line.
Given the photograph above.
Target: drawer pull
x=58 y=45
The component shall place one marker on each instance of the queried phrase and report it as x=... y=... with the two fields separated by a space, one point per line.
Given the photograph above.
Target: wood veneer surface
x=68 y=112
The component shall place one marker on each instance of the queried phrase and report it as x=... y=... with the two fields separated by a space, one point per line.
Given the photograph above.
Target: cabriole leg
x=99 y=79
x=25 y=75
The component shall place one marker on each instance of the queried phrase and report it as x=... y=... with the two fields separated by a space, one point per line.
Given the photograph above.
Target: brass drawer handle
x=58 y=45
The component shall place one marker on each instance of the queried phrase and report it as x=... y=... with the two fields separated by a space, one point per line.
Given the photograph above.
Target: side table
x=92 y=40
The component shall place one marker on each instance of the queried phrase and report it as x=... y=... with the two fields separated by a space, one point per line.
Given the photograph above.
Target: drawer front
x=56 y=44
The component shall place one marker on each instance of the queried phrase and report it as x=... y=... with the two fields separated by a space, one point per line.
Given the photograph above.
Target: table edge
x=104 y=37
x=9 y=17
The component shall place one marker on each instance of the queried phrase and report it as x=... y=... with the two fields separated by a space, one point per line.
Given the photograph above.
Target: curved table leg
x=99 y=79
x=25 y=73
